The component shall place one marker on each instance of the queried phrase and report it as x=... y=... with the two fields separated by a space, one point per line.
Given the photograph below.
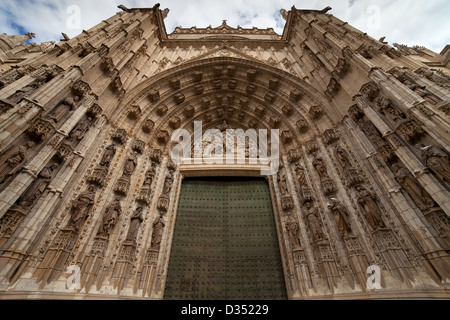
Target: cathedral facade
x=93 y=204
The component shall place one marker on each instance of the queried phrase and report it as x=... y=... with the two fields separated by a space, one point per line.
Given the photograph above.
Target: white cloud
x=412 y=22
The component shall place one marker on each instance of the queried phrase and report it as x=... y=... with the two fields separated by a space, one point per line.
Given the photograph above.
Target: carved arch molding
x=332 y=218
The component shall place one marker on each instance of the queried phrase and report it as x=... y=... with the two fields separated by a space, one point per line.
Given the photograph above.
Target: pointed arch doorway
x=225 y=244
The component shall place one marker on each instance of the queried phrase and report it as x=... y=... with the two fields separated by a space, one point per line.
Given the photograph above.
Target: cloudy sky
x=410 y=22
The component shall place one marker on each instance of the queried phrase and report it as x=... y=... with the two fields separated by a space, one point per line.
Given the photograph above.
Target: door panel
x=225 y=242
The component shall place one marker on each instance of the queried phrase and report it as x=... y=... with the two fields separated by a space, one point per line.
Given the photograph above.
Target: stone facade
x=87 y=178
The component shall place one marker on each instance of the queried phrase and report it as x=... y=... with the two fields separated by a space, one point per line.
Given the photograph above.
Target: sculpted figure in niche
x=314 y=222
x=294 y=232
x=437 y=160
x=392 y=114
x=281 y=177
x=136 y=221
x=13 y=160
x=81 y=208
x=158 y=228
x=109 y=154
x=342 y=157
x=19 y=94
x=130 y=164
x=150 y=175
x=168 y=183
x=341 y=215
x=110 y=218
x=69 y=104
x=371 y=132
x=78 y=133
x=301 y=174
x=320 y=167
x=421 y=91
x=415 y=190
x=38 y=187
x=368 y=204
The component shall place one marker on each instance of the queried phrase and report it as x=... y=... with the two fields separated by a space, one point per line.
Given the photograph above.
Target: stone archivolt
x=110 y=204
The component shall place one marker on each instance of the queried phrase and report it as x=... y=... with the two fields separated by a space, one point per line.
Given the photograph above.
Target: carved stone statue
x=110 y=218
x=158 y=228
x=301 y=175
x=341 y=215
x=282 y=183
x=19 y=94
x=342 y=157
x=136 y=221
x=149 y=175
x=414 y=189
x=320 y=167
x=81 y=208
x=109 y=154
x=392 y=114
x=168 y=183
x=314 y=222
x=38 y=187
x=368 y=204
x=78 y=133
x=13 y=160
x=294 y=233
x=371 y=132
x=130 y=164
x=421 y=91
x=437 y=160
x=67 y=105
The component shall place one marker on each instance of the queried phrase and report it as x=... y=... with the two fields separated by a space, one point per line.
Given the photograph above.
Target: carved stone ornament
x=98 y=176
x=270 y=98
x=287 y=137
x=81 y=88
x=342 y=67
x=330 y=136
x=294 y=156
x=311 y=146
x=163 y=137
x=41 y=129
x=64 y=151
x=355 y=113
x=13 y=160
x=189 y=111
x=302 y=125
x=156 y=156
x=328 y=186
x=154 y=96
x=295 y=95
x=138 y=146
x=148 y=126
x=162 y=110
x=370 y=90
x=107 y=65
x=275 y=122
x=199 y=89
x=410 y=131
x=175 y=83
x=288 y=110
x=287 y=203
x=333 y=87
x=134 y=112
x=94 y=111
x=175 y=122
x=315 y=112
x=120 y=136
x=122 y=186
x=198 y=76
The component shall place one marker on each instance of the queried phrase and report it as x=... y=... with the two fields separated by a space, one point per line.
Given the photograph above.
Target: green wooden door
x=225 y=244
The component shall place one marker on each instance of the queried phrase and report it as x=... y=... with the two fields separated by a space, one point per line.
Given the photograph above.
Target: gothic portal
x=94 y=205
